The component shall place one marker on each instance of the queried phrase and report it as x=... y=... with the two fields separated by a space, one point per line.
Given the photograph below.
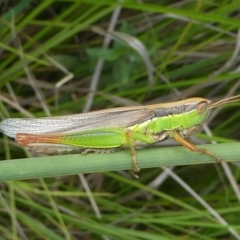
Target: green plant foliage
x=65 y=57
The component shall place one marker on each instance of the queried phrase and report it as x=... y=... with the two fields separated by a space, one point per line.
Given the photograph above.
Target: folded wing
x=116 y=117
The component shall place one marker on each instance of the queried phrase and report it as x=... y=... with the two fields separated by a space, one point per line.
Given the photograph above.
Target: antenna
x=225 y=101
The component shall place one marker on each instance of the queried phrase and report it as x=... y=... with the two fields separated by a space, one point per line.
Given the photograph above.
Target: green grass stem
x=50 y=166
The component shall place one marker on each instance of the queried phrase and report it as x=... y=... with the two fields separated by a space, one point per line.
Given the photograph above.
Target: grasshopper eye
x=202 y=107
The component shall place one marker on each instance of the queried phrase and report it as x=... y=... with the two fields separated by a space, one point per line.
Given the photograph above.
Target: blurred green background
x=67 y=57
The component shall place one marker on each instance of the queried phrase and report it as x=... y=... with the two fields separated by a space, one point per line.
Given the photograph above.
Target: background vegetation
x=66 y=57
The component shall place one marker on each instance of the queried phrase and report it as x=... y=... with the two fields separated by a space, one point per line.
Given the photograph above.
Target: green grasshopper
x=105 y=130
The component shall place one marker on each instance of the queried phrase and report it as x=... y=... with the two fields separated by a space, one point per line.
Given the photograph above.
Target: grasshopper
x=105 y=130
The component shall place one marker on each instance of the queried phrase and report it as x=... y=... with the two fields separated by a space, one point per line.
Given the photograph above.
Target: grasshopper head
x=196 y=112
x=202 y=111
